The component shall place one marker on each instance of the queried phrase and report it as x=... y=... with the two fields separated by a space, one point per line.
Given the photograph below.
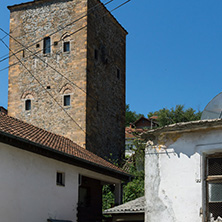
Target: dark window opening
x=66 y=47
x=60 y=179
x=55 y=43
x=66 y=100
x=118 y=73
x=48 y=87
x=37 y=45
x=104 y=54
x=23 y=53
x=96 y=54
x=214 y=187
x=46 y=45
x=28 y=104
x=97 y=106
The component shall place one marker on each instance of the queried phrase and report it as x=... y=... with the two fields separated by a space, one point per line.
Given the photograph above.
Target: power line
x=61 y=40
x=14 y=54
x=61 y=28
x=36 y=52
x=46 y=62
x=43 y=86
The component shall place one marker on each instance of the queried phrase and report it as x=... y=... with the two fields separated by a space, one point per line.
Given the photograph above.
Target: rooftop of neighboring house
x=183 y=127
x=141 y=125
x=28 y=137
x=134 y=206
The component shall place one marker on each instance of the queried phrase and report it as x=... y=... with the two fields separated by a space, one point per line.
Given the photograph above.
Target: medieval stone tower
x=68 y=75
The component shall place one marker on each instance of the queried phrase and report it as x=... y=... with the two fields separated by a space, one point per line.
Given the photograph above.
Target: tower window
x=66 y=101
x=46 y=45
x=23 y=53
x=28 y=104
x=118 y=73
x=96 y=54
x=60 y=179
x=66 y=47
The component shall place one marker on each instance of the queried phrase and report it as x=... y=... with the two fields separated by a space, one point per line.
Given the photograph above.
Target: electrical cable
x=61 y=28
x=60 y=39
x=13 y=54
x=45 y=23
x=69 y=35
x=43 y=86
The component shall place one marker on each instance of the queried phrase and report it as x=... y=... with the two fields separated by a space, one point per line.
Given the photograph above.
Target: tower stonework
x=70 y=79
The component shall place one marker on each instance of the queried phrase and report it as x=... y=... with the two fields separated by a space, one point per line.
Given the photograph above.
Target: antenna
x=213 y=110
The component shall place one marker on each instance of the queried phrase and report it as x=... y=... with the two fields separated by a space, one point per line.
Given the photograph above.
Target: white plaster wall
x=174 y=185
x=28 y=190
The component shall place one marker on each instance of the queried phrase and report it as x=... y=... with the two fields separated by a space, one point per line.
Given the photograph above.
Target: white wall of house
x=174 y=177
x=28 y=189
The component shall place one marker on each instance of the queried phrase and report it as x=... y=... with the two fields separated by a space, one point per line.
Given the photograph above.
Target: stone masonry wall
x=95 y=63
x=105 y=84
x=30 y=24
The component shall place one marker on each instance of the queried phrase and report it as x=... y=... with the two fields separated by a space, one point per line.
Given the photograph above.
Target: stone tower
x=70 y=76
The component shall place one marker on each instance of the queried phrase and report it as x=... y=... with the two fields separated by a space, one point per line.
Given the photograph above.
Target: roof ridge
x=46 y=139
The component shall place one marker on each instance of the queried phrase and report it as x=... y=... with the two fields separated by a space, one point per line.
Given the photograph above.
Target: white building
x=183 y=172
x=46 y=177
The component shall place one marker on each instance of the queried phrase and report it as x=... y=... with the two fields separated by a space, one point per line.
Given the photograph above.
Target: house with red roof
x=139 y=126
x=47 y=177
x=66 y=99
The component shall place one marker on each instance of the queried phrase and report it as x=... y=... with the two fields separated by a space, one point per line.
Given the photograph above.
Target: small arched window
x=66 y=46
x=66 y=92
x=28 y=98
x=46 y=45
x=66 y=100
x=66 y=42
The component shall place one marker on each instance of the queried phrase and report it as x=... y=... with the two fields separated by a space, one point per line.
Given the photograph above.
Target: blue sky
x=174 y=52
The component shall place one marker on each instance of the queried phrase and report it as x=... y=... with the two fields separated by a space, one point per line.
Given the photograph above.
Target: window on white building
x=60 y=179
x=214 y=187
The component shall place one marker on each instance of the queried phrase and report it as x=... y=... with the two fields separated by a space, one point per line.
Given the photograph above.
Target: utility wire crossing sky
x=173 y=52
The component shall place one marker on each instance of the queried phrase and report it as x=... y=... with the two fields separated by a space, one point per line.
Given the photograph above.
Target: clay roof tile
x=40 y=136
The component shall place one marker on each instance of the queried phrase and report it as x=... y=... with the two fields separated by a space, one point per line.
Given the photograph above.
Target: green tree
x=135 y=188
x=175 y=115
x=131 y=116
x=108 y=196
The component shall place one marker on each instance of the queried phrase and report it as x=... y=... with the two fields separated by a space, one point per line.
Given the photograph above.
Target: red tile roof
x=134 y=131
x=129 y=135
x=28 y=132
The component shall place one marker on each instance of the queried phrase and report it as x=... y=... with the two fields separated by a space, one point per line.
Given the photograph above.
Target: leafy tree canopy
x=131 y=116
x=175 y=115
x=134 y=188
